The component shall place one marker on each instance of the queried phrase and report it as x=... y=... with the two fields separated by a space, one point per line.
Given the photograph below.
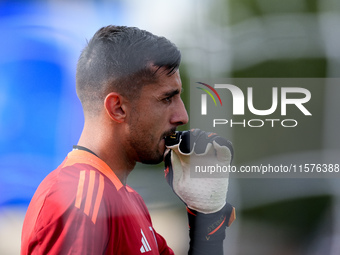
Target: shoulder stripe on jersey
x=91 y=188
x=80 y=189
x=98 y=198
x=90 y=192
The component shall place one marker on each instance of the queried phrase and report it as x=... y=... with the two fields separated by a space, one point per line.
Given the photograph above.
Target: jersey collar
x=85 y=157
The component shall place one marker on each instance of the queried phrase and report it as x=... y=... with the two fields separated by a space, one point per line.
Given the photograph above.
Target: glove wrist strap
x=209 y=227
x=207 y=231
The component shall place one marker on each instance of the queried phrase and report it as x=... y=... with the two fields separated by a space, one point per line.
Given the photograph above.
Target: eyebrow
x=171 y=93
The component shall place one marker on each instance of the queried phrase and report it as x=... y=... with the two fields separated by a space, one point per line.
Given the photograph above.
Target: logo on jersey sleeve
x=145 y=244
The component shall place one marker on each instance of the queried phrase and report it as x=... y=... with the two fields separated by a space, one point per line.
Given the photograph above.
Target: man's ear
x=114 y=105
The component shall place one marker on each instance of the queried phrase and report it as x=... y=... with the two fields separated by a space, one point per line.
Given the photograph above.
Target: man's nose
x=180 y=116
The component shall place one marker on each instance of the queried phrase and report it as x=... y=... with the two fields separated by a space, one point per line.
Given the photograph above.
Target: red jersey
x=83 y=208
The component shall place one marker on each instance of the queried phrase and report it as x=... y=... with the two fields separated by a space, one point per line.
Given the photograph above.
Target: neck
x=107 y=146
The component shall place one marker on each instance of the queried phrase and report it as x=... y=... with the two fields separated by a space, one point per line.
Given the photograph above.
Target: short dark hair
x=122 y=59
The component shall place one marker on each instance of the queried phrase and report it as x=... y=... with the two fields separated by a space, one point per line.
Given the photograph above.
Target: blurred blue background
x=40 y=116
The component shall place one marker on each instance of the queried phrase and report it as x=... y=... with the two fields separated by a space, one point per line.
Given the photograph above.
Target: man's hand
x=208 y=212
x=195 y=149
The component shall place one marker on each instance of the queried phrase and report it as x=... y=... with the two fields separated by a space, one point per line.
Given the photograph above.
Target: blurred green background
x=277 y=39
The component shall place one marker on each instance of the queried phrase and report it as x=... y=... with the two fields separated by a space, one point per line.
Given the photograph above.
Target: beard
x=145 y=144
x=147 y=152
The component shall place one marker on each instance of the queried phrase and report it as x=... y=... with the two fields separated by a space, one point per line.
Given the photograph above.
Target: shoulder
x=79 y=187
x=134 y=193
x=138 y=199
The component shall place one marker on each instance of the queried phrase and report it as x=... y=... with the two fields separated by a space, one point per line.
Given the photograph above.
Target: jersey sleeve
x=163 y=247
x=72 y=218
x=73 y=233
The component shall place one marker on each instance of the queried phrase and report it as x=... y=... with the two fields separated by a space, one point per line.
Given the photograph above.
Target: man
x=129 y=86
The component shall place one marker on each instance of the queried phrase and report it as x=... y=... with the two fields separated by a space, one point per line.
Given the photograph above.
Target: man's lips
x=171 y=132
x=173 y=138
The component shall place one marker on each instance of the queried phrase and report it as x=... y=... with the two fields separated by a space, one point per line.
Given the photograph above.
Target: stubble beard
x=144 y=144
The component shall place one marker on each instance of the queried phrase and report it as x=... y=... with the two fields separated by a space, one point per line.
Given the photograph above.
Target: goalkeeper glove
x=205 y=198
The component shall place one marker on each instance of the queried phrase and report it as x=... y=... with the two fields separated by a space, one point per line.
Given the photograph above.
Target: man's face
x=154 y=115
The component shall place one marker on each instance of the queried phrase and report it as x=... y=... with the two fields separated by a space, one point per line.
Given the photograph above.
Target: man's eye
x=168 y=99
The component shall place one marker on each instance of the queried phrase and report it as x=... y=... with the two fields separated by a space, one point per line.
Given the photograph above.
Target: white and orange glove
x=205 y=197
